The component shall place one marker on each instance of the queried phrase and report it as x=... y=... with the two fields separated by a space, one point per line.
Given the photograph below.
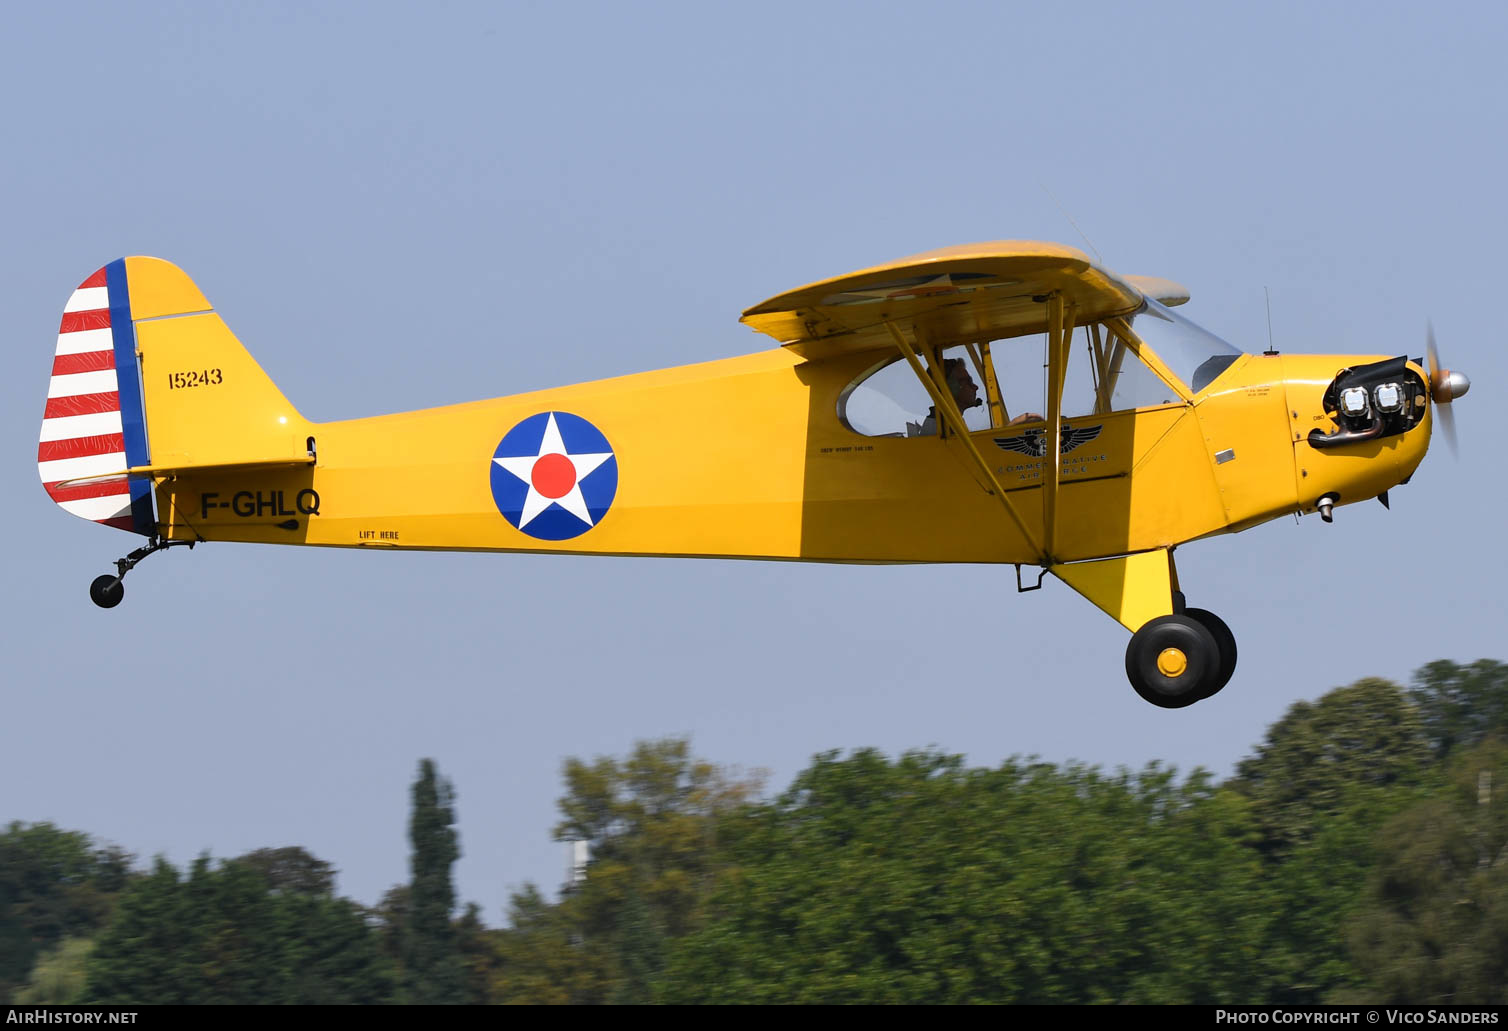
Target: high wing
x=970 y=294
x=973 y=292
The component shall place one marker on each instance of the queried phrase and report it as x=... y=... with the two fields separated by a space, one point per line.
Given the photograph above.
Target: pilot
x=965 y=394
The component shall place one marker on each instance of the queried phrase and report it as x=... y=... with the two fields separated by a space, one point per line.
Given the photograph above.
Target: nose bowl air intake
x=1383 y=399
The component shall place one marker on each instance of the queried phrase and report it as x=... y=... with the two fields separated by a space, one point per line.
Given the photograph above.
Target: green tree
x=54 y=884
x=1461 y=705
x=432 y=971
x=920 y=881
x=1318 y=885
x=652 y=821
x=292 y=870
x=390 y=918
x=474 y=943
x=544 y=959
x=1322 y=784
x=59 y=977
x=1364 y=735
x=1435 y=930
x=227 y=935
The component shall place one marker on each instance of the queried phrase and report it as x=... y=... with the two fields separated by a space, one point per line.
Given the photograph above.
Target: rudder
x=93 y=427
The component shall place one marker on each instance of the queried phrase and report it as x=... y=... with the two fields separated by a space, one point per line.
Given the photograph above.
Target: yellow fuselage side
x=746 y=457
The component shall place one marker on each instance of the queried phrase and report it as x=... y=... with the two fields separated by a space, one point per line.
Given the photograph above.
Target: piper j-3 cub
x=1007 y=402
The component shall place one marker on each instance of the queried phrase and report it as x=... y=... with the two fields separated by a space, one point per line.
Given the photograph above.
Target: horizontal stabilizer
x=162 y=472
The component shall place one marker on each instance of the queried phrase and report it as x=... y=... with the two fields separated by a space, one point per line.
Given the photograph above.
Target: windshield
x=1195 y=355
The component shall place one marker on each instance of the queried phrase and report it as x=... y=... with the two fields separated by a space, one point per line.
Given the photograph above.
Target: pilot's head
x=965 y=390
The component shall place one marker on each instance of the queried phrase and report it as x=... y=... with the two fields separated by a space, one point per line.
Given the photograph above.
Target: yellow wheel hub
x=1172 y=662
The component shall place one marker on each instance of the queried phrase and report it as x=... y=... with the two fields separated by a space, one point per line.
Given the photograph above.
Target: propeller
x=1444 y=387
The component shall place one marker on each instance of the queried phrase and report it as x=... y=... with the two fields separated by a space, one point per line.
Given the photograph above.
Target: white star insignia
x=524 y=468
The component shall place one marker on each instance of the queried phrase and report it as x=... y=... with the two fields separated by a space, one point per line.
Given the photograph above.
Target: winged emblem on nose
x=1034 y=442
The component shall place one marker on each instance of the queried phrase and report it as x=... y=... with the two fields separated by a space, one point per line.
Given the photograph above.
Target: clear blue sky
x=398 y=206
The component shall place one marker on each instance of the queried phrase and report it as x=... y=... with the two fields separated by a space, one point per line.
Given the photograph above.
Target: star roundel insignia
x=554 y=476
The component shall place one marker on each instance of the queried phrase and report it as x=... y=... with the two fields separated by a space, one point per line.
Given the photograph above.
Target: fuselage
x=747 y=457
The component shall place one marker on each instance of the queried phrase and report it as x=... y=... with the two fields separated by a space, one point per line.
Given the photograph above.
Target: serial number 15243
x=202 y=378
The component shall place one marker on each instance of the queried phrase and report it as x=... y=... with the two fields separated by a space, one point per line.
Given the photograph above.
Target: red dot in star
x=553 y=476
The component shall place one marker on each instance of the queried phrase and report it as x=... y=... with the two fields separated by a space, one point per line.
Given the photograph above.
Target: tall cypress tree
x=431 y=957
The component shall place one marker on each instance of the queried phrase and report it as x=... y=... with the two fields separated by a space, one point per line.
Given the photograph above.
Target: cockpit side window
x=1004 y=383
x=889 y=401
x=1106 y=375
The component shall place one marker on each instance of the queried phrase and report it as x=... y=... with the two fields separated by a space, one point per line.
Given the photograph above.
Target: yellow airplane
x=1006 y=402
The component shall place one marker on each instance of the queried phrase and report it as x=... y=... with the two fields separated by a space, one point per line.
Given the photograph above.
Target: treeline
x=1359 y=854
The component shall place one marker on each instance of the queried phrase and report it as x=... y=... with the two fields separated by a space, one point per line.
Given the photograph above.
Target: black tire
x=107 y=591
x=1224 y=640
x=1196 y=652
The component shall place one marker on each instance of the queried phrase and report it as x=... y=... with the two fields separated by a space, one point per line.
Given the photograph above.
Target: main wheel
x=1172 y=661
x=107 y=591
x=1224 y=640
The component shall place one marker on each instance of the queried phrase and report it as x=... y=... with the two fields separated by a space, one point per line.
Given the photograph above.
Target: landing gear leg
x=107 y=591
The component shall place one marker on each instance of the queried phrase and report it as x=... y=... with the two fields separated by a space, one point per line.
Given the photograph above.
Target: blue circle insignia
x=554 y=476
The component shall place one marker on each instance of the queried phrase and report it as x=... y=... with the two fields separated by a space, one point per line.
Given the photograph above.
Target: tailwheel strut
x=107 y=591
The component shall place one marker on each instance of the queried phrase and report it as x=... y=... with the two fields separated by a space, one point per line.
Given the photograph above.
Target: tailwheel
x=1225 y=641
x=107 y=591
x=1172 y=661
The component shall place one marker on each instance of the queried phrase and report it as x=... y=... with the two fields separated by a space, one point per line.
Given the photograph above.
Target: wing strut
x=942 y=400
x=1059 y=336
